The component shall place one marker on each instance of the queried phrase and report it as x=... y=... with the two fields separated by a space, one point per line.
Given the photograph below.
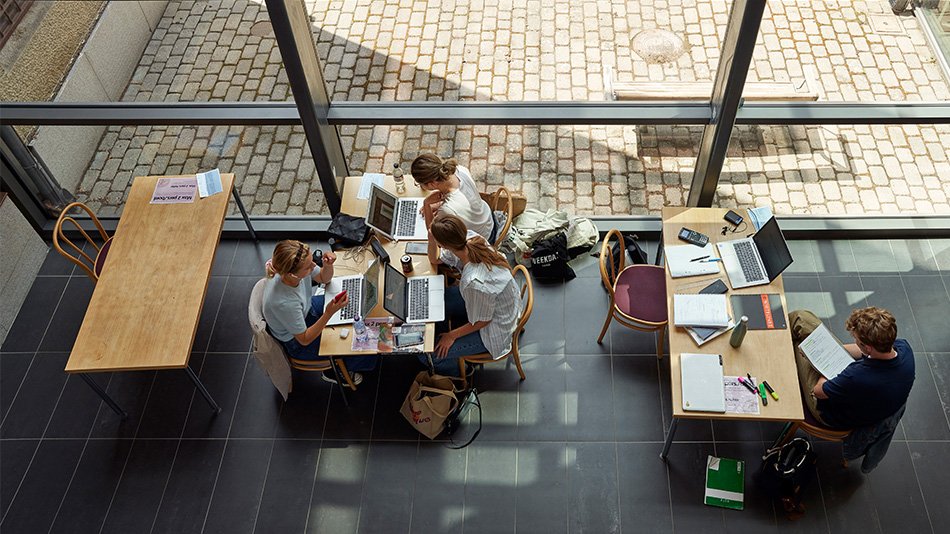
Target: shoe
x=328 y=376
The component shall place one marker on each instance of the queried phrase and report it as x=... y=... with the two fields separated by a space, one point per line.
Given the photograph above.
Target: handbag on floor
x=430 y=401
x=458 y=415
x=785 y=473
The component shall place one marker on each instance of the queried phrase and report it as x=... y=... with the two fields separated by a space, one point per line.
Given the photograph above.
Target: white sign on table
x=174 y=191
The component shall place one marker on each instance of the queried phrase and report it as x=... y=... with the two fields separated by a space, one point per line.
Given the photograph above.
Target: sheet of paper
x=679 y=260
x=366 y=184
x=209 y=183
x=174 y=191
x=824 y=353
x=700 y=310
x=738 y=398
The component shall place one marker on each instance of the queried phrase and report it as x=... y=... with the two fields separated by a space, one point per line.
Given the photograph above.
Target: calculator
x=693 y=237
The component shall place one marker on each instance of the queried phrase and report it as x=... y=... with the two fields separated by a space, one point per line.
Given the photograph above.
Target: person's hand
x=433 y=202
x=329 y=258
x=445 y=343
x=335 y=306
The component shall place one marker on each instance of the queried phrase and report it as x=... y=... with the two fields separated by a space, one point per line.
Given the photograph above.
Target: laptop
x=702 y=386
x=396 y=218
x=362 y=291
x=417 y=299
x=757 y=260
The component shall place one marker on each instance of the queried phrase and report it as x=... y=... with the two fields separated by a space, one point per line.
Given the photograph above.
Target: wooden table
x=144 y=311
x=355 y=261
x=765 y=354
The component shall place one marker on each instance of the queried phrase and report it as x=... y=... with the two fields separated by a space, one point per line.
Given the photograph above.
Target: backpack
x=637 y=255
x=549 y=259
x=785 y=473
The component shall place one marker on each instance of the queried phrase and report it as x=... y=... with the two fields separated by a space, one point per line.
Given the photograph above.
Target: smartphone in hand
x=340 y=296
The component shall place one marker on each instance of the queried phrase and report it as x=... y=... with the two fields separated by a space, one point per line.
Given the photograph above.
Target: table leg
x=339 y=381
x=105 y=396
x=201 y=388
x=240 y=205
x=669 y=439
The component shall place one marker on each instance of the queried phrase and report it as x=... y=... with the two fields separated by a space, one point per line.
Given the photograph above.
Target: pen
x=748 y=386
x=710 y=260
x=700 y=258
x=765 y=400
x=771 y=391
x=747 y=375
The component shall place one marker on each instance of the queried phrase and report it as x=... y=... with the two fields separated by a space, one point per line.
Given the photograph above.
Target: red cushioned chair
x=92 y=266
x=637 y=293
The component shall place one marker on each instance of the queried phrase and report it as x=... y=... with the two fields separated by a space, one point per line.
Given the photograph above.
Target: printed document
x=366 y=184
x=825 y=354
x=174 y=191
x=738 y=398
x=680 y=258
x=209 y=183
x=700 y=310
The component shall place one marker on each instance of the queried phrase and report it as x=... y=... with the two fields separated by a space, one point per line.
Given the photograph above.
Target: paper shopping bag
x=430 y=400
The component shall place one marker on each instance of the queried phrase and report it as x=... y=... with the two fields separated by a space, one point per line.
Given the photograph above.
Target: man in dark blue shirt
x=873 y=387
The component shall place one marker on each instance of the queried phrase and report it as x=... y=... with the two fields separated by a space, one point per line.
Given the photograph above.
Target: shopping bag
x=431 y=399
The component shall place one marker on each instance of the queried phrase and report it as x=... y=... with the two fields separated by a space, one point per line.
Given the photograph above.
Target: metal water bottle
x=738 y=333
x=399 y=179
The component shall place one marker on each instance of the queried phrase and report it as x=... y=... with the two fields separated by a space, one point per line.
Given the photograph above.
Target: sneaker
x=328 y=376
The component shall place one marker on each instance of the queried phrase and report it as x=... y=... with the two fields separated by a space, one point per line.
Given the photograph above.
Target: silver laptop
x=362 y=291
x=417 y=299
x=757 y=260
x=702 y=386
x=396 y=218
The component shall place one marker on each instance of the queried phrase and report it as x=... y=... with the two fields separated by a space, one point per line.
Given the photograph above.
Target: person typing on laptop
x=484 y=307
x=453 y=192
x=294 y=315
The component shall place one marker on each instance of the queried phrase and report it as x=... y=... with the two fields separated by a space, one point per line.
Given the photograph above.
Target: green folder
x=725 y=482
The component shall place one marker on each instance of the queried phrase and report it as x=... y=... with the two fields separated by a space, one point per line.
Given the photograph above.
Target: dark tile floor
x=573 y=448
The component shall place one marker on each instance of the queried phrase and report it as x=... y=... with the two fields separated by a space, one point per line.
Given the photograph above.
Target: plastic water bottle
x=738 y=333
x=359 y=326
x=399 y=179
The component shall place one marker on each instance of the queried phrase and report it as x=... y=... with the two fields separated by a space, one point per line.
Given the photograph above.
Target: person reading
x=453 y=192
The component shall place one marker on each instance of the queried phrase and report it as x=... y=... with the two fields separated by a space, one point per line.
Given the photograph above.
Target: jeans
x=467 y=345
x=312 y=351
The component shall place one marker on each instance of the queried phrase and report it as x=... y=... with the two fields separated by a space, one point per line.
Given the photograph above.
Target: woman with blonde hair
x=453 y=192
x=294 y=315
x=486 y=304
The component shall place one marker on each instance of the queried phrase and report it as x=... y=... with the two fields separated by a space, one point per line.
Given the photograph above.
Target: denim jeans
x=467 y=345
x=312 y=351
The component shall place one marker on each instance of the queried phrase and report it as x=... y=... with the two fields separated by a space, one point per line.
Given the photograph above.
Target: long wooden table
x=144 y=311
x=765 y=354
x=350 y=262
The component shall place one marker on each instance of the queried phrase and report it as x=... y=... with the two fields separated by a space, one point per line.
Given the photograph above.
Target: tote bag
x=430 y=401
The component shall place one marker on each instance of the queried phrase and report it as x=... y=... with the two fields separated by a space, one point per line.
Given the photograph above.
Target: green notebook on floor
x=725 y=482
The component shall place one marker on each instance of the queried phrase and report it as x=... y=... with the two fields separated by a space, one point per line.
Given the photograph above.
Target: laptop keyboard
x=419 y=298
x=406 y=220
x=352 y=287
x=746 y=256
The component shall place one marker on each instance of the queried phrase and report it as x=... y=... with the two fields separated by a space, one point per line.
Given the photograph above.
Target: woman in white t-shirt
x=453 y=193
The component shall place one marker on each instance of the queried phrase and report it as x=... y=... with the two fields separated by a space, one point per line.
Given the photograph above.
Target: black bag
x=455 y=419
x=549 y=260
x=347 y=231
x=637 y=255
x=785 y=473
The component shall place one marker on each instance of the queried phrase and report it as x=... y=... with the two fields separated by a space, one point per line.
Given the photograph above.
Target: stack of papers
x=367 y=182
x=209 y=183
x=680 y=260
x=700 y=310
x=825 y=353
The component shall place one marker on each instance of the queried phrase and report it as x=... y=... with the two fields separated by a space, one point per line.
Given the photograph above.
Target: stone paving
x=545 y=50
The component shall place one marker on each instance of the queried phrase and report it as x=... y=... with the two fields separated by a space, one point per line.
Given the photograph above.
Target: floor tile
x=258 y=405
x=438 y=493
x=941 y=250
x=499 y=388
x=231 y=330
x=76 y=411
x=686 y=465
x=544 y=333
x=335 y=505
x=586 y=304
x=834 y=257
x=387 y=488
x=805 y=293
x=804 y=258
x=848 y=499
x=34 y=404
x=356 y=420
x=758 y=514
x=13 y=369
x=223 y=257
x=130 y=391
x=56 y=264
x=896 y=494
x=249 y=257
x=542 y=504
x=15 y=456
x=222 y=374
x=888 y=292
x=396 y=376
x=491 y=494
x=874 y=256
x=188 y=491
x=209 y=313
x=34 y=315
x=589 y=414
x=542 y=399
x=844 y=293
x=930 y=461
x=940 y=367
x=173 y=395
x=644 y=489
x=43 y=487
x=913 y=256
x=928 y=300
x=69 y=315
x=288 y=486
x=140 y=490
x=637 y=405
x=925 y=417
x=237 y=491
x=93 y=485
x=593 y=487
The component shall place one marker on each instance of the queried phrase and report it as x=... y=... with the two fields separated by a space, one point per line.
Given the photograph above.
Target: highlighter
x=765 y=400
x=771 y=391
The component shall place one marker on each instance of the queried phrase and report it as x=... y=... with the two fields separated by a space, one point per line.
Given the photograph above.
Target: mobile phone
x=339 y=296
x=417 y=248
x=733 y=217
x=693 y=237
x=318 y=257
x=409 y=339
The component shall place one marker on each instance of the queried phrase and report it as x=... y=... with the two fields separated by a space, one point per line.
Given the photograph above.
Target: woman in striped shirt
x=484 y=307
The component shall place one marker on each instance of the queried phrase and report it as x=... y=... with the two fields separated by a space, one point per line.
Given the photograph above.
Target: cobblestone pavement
x=545 y=50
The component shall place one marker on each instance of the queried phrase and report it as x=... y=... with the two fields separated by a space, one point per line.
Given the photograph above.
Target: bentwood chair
x=501 y=202
x=91 y=265
x=637 y=293
x=527 y=300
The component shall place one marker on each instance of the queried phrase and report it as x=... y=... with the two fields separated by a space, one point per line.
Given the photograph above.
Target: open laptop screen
x=772 y=249
x=382 y=210
x=370 y=288
x=394 y=293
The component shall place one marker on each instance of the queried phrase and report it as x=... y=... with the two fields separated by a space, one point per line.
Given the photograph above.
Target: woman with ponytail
x=486 y=304
x=294 y=315
x=453 y=192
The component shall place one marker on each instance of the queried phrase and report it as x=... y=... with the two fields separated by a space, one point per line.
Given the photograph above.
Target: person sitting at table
x=294 y=315
x=872 y=388
x=486 y=304
x=453 y=193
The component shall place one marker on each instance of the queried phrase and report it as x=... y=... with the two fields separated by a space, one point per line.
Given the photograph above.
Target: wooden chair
x=321 y=366
x=501 y=200
x=92 y=266
x=810 y=426
x=637 y=293
x=527 y=298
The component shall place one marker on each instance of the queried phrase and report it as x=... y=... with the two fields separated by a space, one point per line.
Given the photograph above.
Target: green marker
x=765 y=400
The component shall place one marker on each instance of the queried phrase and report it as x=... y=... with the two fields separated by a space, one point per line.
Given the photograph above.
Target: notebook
x=703 y=389
x=679 y=257
x=700 y=310
x=765 y=311
x=825 y=353
x=725 y=483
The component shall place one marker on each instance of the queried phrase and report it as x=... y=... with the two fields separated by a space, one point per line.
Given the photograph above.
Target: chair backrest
x=255 y=315
x=501 y=200
x=527 y=299
x=60 y=239
x=610 y=266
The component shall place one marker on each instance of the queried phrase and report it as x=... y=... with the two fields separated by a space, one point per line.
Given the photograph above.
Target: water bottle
x=399 y=179
x=359 y=326
x=738 y=333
